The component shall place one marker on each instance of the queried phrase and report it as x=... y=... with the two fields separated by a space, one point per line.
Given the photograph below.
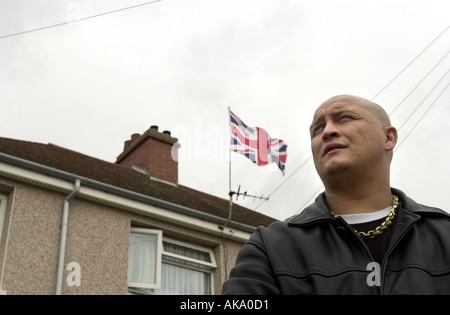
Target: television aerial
x=245 y=194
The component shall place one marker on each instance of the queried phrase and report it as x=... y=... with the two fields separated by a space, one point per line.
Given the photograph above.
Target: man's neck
x=358 y=200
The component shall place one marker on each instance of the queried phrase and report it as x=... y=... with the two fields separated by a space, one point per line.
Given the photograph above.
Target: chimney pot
x=154 y=127
x=126 y=144
x=167 y=132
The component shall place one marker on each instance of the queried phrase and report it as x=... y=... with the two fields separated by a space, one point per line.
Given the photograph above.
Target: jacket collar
x=316 y=212
x=319 y=211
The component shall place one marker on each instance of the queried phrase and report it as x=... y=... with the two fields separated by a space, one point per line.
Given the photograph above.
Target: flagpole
x=229 y=172
x=229 y=151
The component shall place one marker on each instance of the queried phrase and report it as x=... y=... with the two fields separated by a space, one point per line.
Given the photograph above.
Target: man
x=360 y=236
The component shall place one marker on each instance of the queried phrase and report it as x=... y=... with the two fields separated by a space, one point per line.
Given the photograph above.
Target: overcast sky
x=89 y=83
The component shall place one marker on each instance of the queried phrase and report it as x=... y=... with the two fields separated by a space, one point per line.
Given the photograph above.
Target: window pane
x=142 y=258
x=178 y=280
x=186 y=252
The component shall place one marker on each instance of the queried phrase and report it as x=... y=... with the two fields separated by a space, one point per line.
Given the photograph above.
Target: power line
x=310 y=198
x=283 y=182
x=420 y=82
x=423 y=100
x=428 y=109
x=420 y=54
x=78 y=20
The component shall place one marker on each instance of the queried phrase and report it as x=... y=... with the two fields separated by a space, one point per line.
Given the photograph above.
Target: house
x=75 y=224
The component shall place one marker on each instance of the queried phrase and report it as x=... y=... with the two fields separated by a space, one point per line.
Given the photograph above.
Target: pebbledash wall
x=99 y=223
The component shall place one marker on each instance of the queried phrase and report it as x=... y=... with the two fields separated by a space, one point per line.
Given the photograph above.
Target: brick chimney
x=153 y=151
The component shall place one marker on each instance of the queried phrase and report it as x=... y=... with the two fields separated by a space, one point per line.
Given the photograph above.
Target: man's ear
x=391 y=138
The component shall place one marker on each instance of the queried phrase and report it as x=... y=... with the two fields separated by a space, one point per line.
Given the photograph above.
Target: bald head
x=356 y=108
x=374 y=109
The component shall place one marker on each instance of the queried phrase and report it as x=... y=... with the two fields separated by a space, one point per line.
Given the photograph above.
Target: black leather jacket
x=315 y=253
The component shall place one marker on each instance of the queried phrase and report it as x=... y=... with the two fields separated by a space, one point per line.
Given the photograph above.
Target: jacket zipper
x=389 y=251
x=362 y=243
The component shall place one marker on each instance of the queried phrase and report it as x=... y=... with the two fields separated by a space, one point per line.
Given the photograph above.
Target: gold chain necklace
x=386 y=224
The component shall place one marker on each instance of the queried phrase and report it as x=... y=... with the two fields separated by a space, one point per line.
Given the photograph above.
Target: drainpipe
x=62 y=248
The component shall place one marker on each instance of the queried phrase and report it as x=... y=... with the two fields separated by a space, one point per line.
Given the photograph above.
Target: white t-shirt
x=365 y=217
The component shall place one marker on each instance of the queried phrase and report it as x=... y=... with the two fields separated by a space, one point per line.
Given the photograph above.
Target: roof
x=69 y=161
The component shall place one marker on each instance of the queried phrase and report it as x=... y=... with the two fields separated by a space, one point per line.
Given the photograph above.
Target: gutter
x=49 y=171
x=62 y=248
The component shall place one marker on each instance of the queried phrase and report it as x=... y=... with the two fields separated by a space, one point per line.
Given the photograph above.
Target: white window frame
x=209 y=265
x=157 y=284
x=202 y=266
x=3 y=202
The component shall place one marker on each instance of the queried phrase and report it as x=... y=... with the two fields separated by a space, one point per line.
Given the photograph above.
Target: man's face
x=345 y=135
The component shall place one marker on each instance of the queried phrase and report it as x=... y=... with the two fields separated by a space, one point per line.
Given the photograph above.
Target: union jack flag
x=256 y=144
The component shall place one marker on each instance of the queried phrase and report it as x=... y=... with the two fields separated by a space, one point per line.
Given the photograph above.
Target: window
x=186 y=269
x=144 y=258
x=3 y=200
